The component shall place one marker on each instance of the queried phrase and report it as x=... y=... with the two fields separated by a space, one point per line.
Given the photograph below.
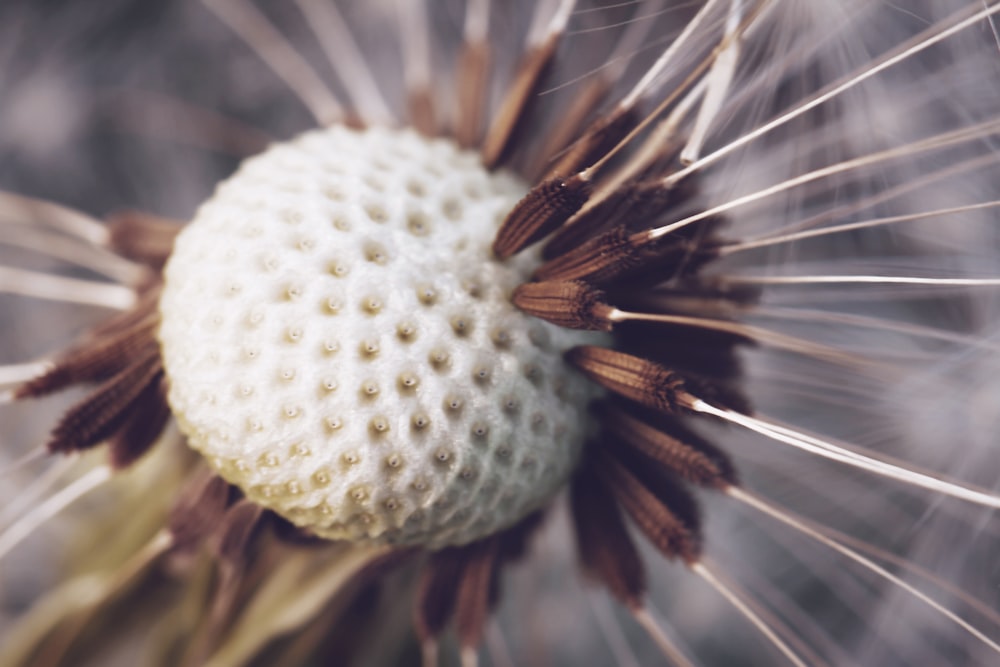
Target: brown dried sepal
x=547 y=206
x=606 y=550
x=571 y=304
x=634 y=378
x=675 y=533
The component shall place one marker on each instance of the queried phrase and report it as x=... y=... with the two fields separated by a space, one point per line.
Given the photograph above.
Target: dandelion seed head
x=393 y=398
x=360 y=396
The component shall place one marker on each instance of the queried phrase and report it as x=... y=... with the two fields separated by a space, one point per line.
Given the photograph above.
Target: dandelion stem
x=790 y=520
x=651 y=75
x=853 y=226
x=167 y=118
x=429 y=651
x=25 y=460
x=271 y=47
x=288 y=598
x=942 y=140
x=69 y=250
x=36 y=488
x=632 y=43
x=414 y=33
x=904 y=564
x=882 y=280
x=631 y=20
x=543 y=30
x=18 y=373
x=477 y=21
x=75 y=223
x=719 y=78
x=669 y=649
x=470 y=656
x=496 y=646
x=853 y=205
x=921 y=331
x=688 y=91
x=910 y=48
x=610 y=628
x=828 y=450
x=757 y=334
x=30 y=522
x=344 y=56
x=68 y=290
x=694 y=78
x=711 y=577
x=993 y=26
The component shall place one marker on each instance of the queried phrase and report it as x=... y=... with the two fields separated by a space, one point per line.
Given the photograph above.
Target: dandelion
x=629 y=333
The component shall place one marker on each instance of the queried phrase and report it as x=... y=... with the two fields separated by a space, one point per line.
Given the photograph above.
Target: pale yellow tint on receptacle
x=340 y=344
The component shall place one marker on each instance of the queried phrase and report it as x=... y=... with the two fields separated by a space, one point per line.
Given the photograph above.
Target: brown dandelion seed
x=571 y=304
x=546 y=207
x=638 y=379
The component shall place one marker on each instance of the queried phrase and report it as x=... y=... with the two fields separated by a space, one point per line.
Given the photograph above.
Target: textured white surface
x=340 y=343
